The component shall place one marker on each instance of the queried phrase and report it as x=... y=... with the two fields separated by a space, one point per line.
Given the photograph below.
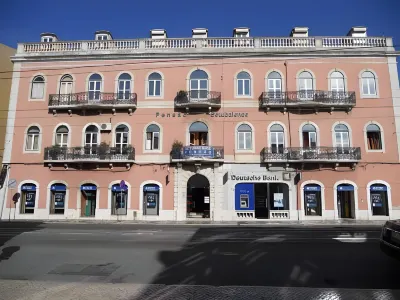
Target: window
x=368 y=84
x=198 y=134
x=121 y=137
x=37 y=91
x=102 y=37
x=244 y=136
x=312 y=200
x=57 y=198
x=66 y=85
x=47 y=39
x=62 y=136
x=374 y=139
x=274 y=83
x=309 y=136
x=28 y=198
x=379 y=200
x=154 y=88
x=124 y=86
x=95 y=82
x=151 y=199
x=198 y=85
x=152 y=137
x=91 y=139
x=32 y=139
x=306 y=86
x=277 y=138
x=119 y=196
x=337 y=84
x=243 y=84
x=342 y=136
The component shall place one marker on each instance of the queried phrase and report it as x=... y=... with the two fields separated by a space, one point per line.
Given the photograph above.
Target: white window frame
x=382 y=138
x=120 y=145
x=242 y=82
x=361 y=83
x=101 y=37
x=47 y=39
x=152 y=137
x=155 y=81
x=276 y=134
x=243 y=135
x=368 y=80
x=341 y=139
x=62 y=135
x=145 y=132
x=94 y=90
x=199 y=89
x=30 y=148
x=33 y=87
x=65 y=85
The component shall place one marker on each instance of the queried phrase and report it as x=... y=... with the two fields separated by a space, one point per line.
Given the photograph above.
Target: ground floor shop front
x=211 y=191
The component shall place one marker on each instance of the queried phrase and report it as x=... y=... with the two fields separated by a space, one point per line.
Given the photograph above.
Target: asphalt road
x=101 y=261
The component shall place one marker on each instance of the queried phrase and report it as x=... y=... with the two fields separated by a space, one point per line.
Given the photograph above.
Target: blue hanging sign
x=312 y=188
x=58 y=187
x=28 y=187
x=378 y=188
x=151 y=188
x=345 y=188
x=88 y=188
x=198 y=151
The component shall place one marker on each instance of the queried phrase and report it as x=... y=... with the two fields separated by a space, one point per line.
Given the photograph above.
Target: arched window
x=198 y=85
x=124 y=86
x=198 y=134
x=368 y=82
x=243 y=81
x=274 y=83
x=154 y=85
x=312 y=200
x=306 y=86
x=37 y=90
x=121 y=137
x=337 y=83
x=379 y=200
x=57 y=198
x=152 y=137
x=374 y=138
x=95 y=83
x=277 y=138
x=62 y=136
x=244 y=137
x=342 y=138
x=91 y=139
x=66 y=83
x=28 y=198
x=32 y=139
x=309 y=136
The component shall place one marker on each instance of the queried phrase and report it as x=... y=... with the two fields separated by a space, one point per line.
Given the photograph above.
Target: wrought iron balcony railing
x=197 y=153
x=198 y=98
x=317 y=154
x=93 y=99
x=308 y=98
x=89 y=154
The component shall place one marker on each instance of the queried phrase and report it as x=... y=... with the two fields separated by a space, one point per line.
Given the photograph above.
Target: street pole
x=5 y=186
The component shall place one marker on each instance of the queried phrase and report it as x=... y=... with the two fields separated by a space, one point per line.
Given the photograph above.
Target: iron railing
x=329 y=98
x=197 y=97
x=198 y=152
x=310 y=154
x=93 y=153
x=93 y=98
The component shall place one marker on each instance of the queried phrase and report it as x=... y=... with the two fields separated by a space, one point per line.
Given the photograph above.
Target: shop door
x=90 y=208
x=151 y=204
x=345 y=204
x=198 y=197
x=261 y=200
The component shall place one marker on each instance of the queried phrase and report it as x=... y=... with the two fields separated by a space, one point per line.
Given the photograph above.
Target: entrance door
x=345 y=201
x=198 y=197
x=261 y=200
x=88 y=200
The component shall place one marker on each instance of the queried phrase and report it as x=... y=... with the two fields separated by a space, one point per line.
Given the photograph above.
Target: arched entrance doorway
x=346 y=201
x=198 y=197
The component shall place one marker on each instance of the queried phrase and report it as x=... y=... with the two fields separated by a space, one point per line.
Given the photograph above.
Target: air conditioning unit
x=105 y=126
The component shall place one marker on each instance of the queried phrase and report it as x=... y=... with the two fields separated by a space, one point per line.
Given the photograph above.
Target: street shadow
x=277 y=257
x=9 y=230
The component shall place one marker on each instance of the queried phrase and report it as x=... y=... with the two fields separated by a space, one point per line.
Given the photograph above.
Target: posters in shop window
x=120 y=200
x=278 y=199
x=311 y=200
x=59 y=200
x=151 y=201
x=30 y=199
x=376 y=200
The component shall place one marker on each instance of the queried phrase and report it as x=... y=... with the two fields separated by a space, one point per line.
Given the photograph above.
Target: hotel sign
x=211 y=114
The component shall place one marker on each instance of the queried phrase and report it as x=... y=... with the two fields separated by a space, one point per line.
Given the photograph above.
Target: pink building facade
x=225 y=129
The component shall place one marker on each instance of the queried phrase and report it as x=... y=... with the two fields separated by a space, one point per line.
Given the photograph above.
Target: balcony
x=311 y=155
x=198 y=154
x=87 y=155
x=198 y=99
x=309 y=100
x=93 y=100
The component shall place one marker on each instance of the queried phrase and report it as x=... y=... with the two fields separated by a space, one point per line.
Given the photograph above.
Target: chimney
x=241 y=32
x=102 y=35
x=158 y=34
x=358 y=31
x=199 y=33
x=299 y=32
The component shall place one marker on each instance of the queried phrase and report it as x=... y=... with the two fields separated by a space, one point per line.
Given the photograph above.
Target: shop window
x=28 y=198
x=119 y=199
x=379 y=200
x=57 y=198
x=374 y=139
x=278 y=196
x=312 y=200
x=151 y=199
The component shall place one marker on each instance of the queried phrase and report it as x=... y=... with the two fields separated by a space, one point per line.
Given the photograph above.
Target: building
x=235 y=128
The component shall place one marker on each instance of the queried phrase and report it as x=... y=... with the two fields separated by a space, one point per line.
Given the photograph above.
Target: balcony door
x=66 y=85
x=277 y=139
x=309 y=136
x=274 y=85
x=121 y=138
x=337 y=85
x=198 y=132
x=342 y=139
x=306 y=83
x=94 y=88
x=198 y=85
x=91 y=139
x=124 y=86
